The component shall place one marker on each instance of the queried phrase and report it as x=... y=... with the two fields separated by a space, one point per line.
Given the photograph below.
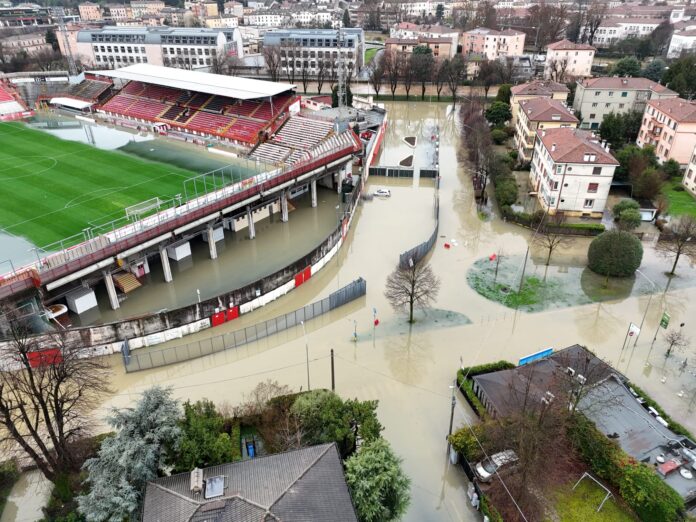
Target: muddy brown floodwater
x=409 y=368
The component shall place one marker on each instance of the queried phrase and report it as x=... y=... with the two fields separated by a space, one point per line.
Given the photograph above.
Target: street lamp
x=304 y=331
x=640 y=328
x=451 y=422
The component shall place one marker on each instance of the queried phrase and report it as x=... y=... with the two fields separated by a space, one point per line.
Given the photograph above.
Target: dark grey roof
x=306 y=484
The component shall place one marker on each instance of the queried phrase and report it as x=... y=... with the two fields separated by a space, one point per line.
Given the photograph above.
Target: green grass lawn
x=53 y=189
x=580 y=505
x=680 y=203
x=370 y=54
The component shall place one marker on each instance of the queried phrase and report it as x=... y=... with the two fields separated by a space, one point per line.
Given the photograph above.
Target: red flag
x=492 y=257
x=376 y=322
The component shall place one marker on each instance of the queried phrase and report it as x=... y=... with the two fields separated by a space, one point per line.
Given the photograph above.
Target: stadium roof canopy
x=71 y=102
x=230 y=86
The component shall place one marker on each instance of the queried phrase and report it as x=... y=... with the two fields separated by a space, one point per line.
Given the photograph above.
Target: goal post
x=135 y=212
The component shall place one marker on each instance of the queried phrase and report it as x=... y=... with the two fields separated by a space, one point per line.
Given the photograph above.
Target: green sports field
x=52 y=189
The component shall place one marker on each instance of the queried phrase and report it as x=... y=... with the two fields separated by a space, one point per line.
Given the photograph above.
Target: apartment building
x=234 y=8
x=539 y=114
x=571 y=172
x=117 y=12
x=173 y=16
x=414 y=31
x=536 y=89
x=439 y=46
x=201 y=8
x=266 y=18
x=689 y=179
x=89 y=11
x=146 y=7
x=612 y=30
x=492 y=44
x=31 y=43
x=222 y=21
x=417 y=8
x=190 y=48
x=682 y=42
x=298 y=46
x=566 y=61
x=670 y=126
x=597 y=97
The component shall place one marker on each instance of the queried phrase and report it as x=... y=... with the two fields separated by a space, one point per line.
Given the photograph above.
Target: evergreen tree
x=346 y=18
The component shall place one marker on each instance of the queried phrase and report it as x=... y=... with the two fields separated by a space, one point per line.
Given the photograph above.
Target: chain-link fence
x=147 y=359
x=418 y=252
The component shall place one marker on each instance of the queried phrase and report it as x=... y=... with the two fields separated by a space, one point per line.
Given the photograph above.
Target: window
x=596 y=93
x=596 y=171
x=559 y=169
x=593 y=116
x=611 y=93
x=624 y=94
x=594 y=105
x=555 y=185
x=589 y=203
x=622 y=105
x=607 y=105
x=592 y=187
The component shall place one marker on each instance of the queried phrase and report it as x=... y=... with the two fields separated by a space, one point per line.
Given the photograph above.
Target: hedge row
x=236 y=440
x=640 y=486
x=9 y=474
x=471 y=371
x=532 y=220
x=673 y=425
x=468 y=391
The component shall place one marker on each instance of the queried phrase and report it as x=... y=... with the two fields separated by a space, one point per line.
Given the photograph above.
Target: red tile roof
x=678 y=109
x=567 y=45
x=570 y=145
x=615 y=82
x=538 y=88
x=547 y=109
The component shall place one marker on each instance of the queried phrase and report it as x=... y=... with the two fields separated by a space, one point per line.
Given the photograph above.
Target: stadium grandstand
x=233 y=110
x=11 y=105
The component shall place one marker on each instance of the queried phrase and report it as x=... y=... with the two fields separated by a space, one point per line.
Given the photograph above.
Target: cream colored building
x=492 y=44
x=670 y=126
x=566 y=61
x=536 y=89
x=146 y=7
x=118 y=12
x=539 y=114
x=89 y=11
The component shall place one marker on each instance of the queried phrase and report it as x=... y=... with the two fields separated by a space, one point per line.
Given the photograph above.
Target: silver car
x=488 y=467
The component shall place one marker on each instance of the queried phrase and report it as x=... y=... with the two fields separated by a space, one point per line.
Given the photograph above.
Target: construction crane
x=72 y=67
x=342 y=69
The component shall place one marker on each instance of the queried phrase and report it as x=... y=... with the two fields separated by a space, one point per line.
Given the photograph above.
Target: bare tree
x=676 y=341
x=550 y=237
x=321 y=74
x=47 y=398
x=681 y=239
x=407 y=72
x=305 y=74
x=557 y=69
x=456 y=74
x=391 y=69
x=440 y=76
x=376 y=74
x=412 y=287
x=271 y=55
x=423 y=65
x=489 y=74
x=593 y=19
x=546 y=23
x=290 y=55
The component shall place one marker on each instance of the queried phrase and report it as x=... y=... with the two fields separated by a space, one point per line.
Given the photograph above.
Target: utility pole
x=524 y=268
x=333 y=375
x=304 y=331
x=341 y=88
x=451 y=422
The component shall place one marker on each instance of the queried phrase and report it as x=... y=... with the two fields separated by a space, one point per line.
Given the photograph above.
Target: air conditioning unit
x=581 y=379
x=570 y=371
x=196 y=480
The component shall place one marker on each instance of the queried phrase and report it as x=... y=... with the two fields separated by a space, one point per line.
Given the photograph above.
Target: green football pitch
x=52 y=188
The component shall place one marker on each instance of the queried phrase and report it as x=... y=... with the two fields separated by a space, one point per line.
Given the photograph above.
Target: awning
x=71 y=102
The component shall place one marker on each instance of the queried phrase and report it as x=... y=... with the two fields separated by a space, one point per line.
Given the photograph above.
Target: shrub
x=506 y=191
x=615 y=254
x=672 y=169
x=678 y=188
x=649 y=496
x=585 y=226
x=629 y=219
x=513 y=154
x=498 y=136
x=471 y=371
x=464 y=442
x=622 y=205
x=9 y=474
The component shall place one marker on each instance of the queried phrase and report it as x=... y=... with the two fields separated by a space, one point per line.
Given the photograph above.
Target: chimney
x=197 y=481
x=553 y=147
x=543 y=133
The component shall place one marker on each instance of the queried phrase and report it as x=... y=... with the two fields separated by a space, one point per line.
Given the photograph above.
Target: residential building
x=89 y=11
x=689 y=179
x=304 y=484
x=537 y=114
x=314 y=45
x=196 y=48
x=118 y=12
x=266 y=18
x=409 y=30
x=612 y=30
x=24 y=15
x=423 y=8
x=571 y=172
x=374 y=15
x=146 y=7
x=173 y=16
x=536 y=89
x=439 y=46
x=682 y=42
x=225 y=20
x=597 y=97
x=566 y=61
x=492 y=44
x=234 y=8
x=670 y=126
x=201 y=8
x=31 y=43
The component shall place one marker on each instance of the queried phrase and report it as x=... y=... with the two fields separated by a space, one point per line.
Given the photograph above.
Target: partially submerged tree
x=423 y=64
x=378 y=485
x=456 y=74
x=411 y=287
x=680 y=240
x=47 y=398
x=375 y=74
x=615 y=254
x=550 y=235
x=145 y=436
x=676 y=341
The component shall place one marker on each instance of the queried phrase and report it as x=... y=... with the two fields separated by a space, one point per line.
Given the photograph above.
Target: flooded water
x=27 y=497
x=409 y=368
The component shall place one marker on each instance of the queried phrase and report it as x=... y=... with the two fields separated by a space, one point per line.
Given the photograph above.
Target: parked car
x=382 y=193
x=488 y=467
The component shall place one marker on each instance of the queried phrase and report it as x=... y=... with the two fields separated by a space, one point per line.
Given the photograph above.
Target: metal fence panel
x=151 y=359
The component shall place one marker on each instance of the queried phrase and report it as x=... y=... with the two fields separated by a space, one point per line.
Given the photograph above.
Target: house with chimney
x=536 y=89
x=571 y=172
x=536 y=114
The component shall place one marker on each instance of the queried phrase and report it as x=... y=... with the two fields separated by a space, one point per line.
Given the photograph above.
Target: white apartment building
x=222 y=21
x=118 y=12
x=190 y=48
x=314 y=45
x=265 y=19
x=415 y=8
x=407 y=30
x=146 y=7
x=612 y=30
x=682 y=42
x=566 y=61
x=571 y=172
x=689 y=179
x=234 y=8
x=597 y=97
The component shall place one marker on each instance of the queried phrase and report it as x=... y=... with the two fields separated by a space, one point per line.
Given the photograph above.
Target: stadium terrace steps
x=172 y=113
x=303 y=133
x=5 y=95
x=271 y=153
x=126 y=282
x=198 y=100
